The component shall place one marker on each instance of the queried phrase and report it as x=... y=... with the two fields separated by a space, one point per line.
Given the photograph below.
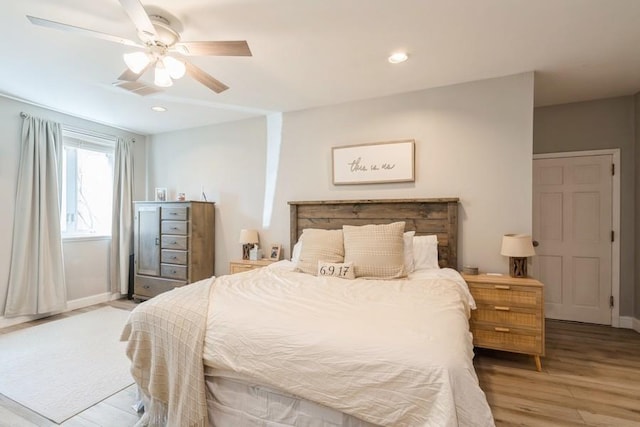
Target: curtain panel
x=36 y=276
x=122 y=222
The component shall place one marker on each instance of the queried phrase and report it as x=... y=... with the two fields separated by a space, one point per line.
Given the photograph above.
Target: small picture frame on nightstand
x=274 y=252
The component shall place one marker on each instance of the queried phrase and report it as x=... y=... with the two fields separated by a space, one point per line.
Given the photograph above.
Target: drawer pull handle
x=174 y=228
x=505 y=287
x=173 y=213
x=174 y=243
x=174 y=257
x=500 y=308
x=499 y=329
x=146 y=286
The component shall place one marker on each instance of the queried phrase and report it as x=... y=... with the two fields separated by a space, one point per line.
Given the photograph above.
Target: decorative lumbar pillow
x=325 y=245
x=425 y=252
x=377 y=251
x=331 y=269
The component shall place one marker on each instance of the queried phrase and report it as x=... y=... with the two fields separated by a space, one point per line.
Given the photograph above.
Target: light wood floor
x=590 y=376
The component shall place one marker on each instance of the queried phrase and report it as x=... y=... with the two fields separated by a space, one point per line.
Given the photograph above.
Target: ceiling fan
x=162 y=50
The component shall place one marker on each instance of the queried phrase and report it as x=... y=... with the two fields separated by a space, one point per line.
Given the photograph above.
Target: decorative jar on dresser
x=173 y=245
x=509 y=315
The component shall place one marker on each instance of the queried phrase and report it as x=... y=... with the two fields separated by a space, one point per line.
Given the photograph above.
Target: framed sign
x=380 y=162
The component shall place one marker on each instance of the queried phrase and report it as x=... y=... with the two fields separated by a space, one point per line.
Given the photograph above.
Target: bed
x=282 y=347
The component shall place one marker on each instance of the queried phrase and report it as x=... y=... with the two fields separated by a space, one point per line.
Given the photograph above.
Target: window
x=87 y=184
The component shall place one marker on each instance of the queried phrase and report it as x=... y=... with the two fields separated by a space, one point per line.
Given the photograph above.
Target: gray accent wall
x=596 y=125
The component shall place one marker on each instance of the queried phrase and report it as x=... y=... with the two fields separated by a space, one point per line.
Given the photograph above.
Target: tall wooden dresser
x=173 y=245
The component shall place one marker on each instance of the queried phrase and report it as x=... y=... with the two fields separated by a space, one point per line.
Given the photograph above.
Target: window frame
x=91 y=141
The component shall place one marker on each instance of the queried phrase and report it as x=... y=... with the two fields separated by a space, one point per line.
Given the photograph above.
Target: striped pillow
x=377 y=251
x=319 y=245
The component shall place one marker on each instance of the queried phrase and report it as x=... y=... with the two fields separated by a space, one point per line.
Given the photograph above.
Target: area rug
x=60 y=368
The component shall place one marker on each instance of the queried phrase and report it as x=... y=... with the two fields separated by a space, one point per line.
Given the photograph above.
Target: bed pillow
x=376 y=251
x=425 y=252
x=408 y=251
x=333 y=269
x=319 y=245
x=295 y=252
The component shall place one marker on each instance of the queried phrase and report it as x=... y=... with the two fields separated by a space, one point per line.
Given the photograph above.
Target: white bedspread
x=394 y=353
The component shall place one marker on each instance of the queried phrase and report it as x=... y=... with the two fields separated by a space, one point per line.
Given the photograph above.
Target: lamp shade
x=248 y=236
x=517 y=246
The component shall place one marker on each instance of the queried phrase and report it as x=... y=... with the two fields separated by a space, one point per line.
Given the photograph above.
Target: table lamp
x=248 y=238
x=517 y=247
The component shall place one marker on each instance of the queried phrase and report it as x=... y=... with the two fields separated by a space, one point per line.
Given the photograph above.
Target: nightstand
x=510 y=314
x=238 y=266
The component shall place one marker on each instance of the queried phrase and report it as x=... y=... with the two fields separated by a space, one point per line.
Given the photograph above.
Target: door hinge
x=613 y=236
x=611 y=301
x=613 y=168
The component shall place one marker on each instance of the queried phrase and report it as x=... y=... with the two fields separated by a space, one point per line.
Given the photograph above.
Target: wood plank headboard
x=425 y=216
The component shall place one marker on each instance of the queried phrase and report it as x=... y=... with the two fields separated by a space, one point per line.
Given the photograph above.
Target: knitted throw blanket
x=165 y=340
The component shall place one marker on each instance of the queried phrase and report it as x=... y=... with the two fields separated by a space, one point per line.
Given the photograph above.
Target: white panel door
x=572 y=223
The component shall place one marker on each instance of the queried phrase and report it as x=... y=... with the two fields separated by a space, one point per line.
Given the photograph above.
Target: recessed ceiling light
x=158 y=108
x=398 y=57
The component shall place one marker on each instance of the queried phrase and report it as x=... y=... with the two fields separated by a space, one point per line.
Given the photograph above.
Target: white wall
x=473 y=141
x=86 y=262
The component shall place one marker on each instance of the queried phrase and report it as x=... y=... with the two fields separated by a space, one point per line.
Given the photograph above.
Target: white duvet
x=394 y=353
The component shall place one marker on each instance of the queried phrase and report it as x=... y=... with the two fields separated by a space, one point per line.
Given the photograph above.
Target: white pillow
x=408 y=251
x=425 y=252
x=297 y=248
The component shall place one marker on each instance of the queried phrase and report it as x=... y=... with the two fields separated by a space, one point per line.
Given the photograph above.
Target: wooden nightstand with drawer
x=509 y=315
x=241 y=265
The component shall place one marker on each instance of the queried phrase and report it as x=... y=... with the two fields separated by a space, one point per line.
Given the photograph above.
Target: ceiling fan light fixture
x=162 y=77
x=136 y=61
x=174 y=67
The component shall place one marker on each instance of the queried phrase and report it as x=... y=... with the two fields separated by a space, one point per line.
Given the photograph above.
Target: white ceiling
x=308 y=53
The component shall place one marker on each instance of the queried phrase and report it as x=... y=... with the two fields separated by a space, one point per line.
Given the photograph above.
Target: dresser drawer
x=508 y=338
x=174 y=227
x=507 y=316
x=506 y=295
x=177 y=213
x=169 y=256
x=173 y=271
x=148 y=287
x=239 y=268
x=174 y=242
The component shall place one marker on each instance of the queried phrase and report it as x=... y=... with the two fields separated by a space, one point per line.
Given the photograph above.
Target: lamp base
x=246 y=248
x=517 y=267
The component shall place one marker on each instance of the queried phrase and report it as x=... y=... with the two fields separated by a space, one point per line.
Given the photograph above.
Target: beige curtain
x=122 y=222
x=36 y=276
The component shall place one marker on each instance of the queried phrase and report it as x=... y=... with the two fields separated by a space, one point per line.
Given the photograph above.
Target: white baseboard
x=71 y=305
x=626 y=322
x=87 y=301
x=636 y=325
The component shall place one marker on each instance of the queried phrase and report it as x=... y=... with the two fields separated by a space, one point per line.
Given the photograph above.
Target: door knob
x=535 y=243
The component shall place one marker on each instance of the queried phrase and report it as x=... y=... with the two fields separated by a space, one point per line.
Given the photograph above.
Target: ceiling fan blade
x=204 y=78
x=220 y=48
x=139 y=16
x=137 y=88
x=83 y=31
x=130 y=76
